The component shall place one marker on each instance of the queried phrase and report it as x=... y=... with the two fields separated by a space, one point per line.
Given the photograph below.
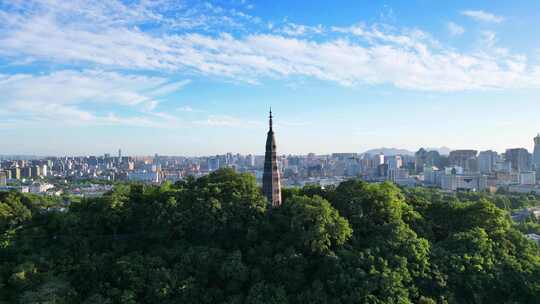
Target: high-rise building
x=271 y=177
x=3 y=178
x=425 y=158
x=379 y=159
x=36 y=171
x=213 y=163
x=536 y=153
x=432 y=175
x=420 y=160
x=250 y=161
x=519 y=159
x=487 y=161
x=382 y=170
x=119 y=159
x=44 y=170
x=394 y=162
x=397 y=174
x=465 y=159
x=27 y=172
x=16 y=173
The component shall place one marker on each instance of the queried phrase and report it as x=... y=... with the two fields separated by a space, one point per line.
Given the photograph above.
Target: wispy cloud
x=387 y=14
x=455 y=29
x=483 y=16
x=227 y=121
x=189 y=109
x=70 y=96
x=293 y=29
x=185 y=109
x=294 y=123
x=170 y=87
x=489 y=37
x=352 y=56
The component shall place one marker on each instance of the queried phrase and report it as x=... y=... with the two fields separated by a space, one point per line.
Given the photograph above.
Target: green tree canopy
x=215 y=240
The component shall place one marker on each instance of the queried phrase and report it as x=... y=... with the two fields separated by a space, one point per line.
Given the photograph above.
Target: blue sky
x=197 y=78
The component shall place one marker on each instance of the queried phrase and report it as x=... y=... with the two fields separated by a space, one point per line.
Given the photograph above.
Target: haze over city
x=197 y=78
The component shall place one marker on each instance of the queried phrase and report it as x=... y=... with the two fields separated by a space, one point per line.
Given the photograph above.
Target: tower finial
x=270 y=122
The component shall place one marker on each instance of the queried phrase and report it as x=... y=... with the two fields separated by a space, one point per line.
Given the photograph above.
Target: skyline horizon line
x=365 y=151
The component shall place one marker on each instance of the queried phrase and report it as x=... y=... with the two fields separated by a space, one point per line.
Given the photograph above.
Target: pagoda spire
x=270 y=119
x=271 y=176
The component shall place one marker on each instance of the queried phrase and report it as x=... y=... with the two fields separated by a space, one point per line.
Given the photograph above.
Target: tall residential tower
x=536 y=152
x=271 y=178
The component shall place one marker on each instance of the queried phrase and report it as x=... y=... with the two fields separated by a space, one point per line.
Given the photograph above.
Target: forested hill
x=213 y=240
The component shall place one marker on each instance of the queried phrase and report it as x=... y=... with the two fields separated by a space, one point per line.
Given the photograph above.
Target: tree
x=12 y=211
x=311 y=225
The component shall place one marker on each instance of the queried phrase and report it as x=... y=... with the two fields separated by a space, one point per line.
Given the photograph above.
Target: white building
x=453 y=170
x=432 y=175
x=44 y=171
x=378 y=159
x=453 y=182
x=536 y=152
x=397 y=174
x=173 y=176
x=527 y=178
x=524 y=189
x=38 y=188
x=144 y=176
x=3 y=178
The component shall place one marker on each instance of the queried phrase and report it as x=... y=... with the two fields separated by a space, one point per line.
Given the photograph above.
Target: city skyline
x=196 y=78
x=516 y=170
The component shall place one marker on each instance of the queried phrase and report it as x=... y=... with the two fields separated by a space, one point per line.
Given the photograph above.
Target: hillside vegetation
x=214 y=240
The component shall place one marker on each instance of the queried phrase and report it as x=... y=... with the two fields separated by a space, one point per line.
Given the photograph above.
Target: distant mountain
x=389 y=151
x=19 y=157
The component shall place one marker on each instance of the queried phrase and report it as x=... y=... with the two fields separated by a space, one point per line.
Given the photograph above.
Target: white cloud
x=483 y=16
x=455 y=29
x=189 y=109
x=293 y=29
x=220 y=120
x=73 y=87
x=387 y=13
x=114 y=13
x=138 y=121
x=489 y=38
x=185 y=109
x=351 y=56
x=69 y=96
x=227 y=121
x=170 y=87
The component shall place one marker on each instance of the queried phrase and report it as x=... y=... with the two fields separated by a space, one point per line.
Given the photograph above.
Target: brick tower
x=271 y=178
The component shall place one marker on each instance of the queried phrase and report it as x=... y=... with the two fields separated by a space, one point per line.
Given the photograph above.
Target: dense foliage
x=213 y=240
